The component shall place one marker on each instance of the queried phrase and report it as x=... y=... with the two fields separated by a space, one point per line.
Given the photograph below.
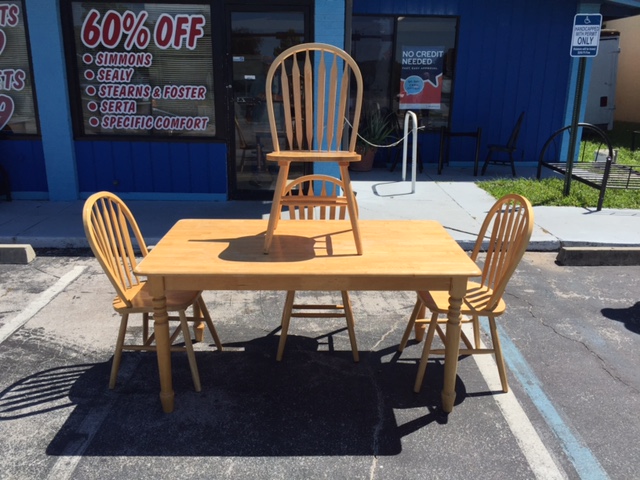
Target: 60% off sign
x=169 y=31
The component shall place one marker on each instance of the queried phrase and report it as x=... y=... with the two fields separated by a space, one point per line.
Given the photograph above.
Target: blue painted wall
x=148 y=170
x=24 y=162
x=512 y=57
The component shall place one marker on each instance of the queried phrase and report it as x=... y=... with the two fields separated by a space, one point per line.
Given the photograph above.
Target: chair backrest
x=510 y=222
x=315 y=81
x=513 y=139
x=109 y=226
x=316 y=197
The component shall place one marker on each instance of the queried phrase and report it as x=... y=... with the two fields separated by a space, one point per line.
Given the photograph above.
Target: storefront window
x=144 y=68
x=420 y=54
x=17 y=108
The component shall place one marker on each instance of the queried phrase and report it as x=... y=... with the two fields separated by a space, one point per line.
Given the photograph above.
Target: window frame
x=27 y=136
x=219 y=78
x=394 y=83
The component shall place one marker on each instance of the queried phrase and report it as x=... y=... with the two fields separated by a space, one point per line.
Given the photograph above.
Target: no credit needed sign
x=586 y=35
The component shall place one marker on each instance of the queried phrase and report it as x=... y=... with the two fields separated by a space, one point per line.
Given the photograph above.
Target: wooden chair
x=508 y=149
x=509 y=223
x=320 y=87
x=109 y=227
x=316 y=197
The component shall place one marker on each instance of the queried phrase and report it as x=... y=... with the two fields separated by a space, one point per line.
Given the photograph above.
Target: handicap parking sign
x=586 y=35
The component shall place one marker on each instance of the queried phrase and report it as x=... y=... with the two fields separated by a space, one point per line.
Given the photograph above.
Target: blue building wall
x=134 y=169
x=511 y=57
x=148 y=170
x=24 y=162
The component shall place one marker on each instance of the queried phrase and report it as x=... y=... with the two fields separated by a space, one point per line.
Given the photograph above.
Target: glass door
x=257 y=37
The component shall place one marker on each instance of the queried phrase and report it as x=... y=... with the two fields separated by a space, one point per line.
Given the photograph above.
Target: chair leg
x=286 y=319
x=476 y=331
x=190 y=353
x=513 y=165
x=117 y=355
x=495 y=340
x=145 y=327
x=198 y=326
x=351 y=205
x=276 y=206
x=244 y=152
x=346 y=301
x=422 y=368
x=486 y=162
x=412 y=320
x=207 y=318
x=477 y=154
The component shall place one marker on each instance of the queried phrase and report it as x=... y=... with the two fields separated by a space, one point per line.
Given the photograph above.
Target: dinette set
x=312 y=241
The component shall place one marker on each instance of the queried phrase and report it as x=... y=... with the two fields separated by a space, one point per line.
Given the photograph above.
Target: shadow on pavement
x=312 y=403
x=630 y=316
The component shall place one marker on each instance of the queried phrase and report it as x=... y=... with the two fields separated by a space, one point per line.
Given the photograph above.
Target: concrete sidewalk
x=452 y=198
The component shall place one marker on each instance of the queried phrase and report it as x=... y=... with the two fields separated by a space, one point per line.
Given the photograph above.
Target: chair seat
x=475 y=301
x=141 y=300
x=313 y=156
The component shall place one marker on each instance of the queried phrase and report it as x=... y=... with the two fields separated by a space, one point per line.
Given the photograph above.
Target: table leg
x=452 y=344
x=274 y=216
x=163 y=344
x=351 y=205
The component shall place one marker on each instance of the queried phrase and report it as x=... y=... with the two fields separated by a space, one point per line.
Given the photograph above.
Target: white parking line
x=539 y=458
x=39 y=303
x=583 y=460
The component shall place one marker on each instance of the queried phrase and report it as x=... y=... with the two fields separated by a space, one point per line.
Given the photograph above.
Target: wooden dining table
x=398 y=255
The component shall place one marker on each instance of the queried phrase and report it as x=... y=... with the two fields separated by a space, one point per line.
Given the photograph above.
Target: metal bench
x=596 y=173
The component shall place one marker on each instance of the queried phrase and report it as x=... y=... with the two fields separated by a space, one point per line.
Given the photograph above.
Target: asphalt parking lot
x=571 y=336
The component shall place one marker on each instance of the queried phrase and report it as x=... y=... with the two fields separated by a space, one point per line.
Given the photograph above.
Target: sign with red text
x=145 y=69
x=421 y=78
x=17 y=110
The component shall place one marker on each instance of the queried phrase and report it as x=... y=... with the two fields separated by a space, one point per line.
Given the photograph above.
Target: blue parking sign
x=586 y=35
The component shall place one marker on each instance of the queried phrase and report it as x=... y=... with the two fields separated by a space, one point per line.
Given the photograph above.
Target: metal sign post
x=584 y=43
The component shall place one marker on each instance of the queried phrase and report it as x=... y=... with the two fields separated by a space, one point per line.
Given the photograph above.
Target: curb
x=21 y=254
x=598 y=256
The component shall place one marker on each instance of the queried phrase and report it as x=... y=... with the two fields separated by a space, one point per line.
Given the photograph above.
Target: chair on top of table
x=316 y=197
x=109 y=226
x=509 y=149
x=504 y=237
x=320 y=87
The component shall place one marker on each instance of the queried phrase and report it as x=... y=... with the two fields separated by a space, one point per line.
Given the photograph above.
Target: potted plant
x=374 y=130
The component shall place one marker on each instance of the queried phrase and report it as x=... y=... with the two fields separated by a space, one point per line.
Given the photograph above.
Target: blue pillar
x=50 y=77
x=329 y=28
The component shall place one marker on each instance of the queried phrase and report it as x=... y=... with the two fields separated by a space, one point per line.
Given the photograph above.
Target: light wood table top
x=306 y=255
x=398 y=255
